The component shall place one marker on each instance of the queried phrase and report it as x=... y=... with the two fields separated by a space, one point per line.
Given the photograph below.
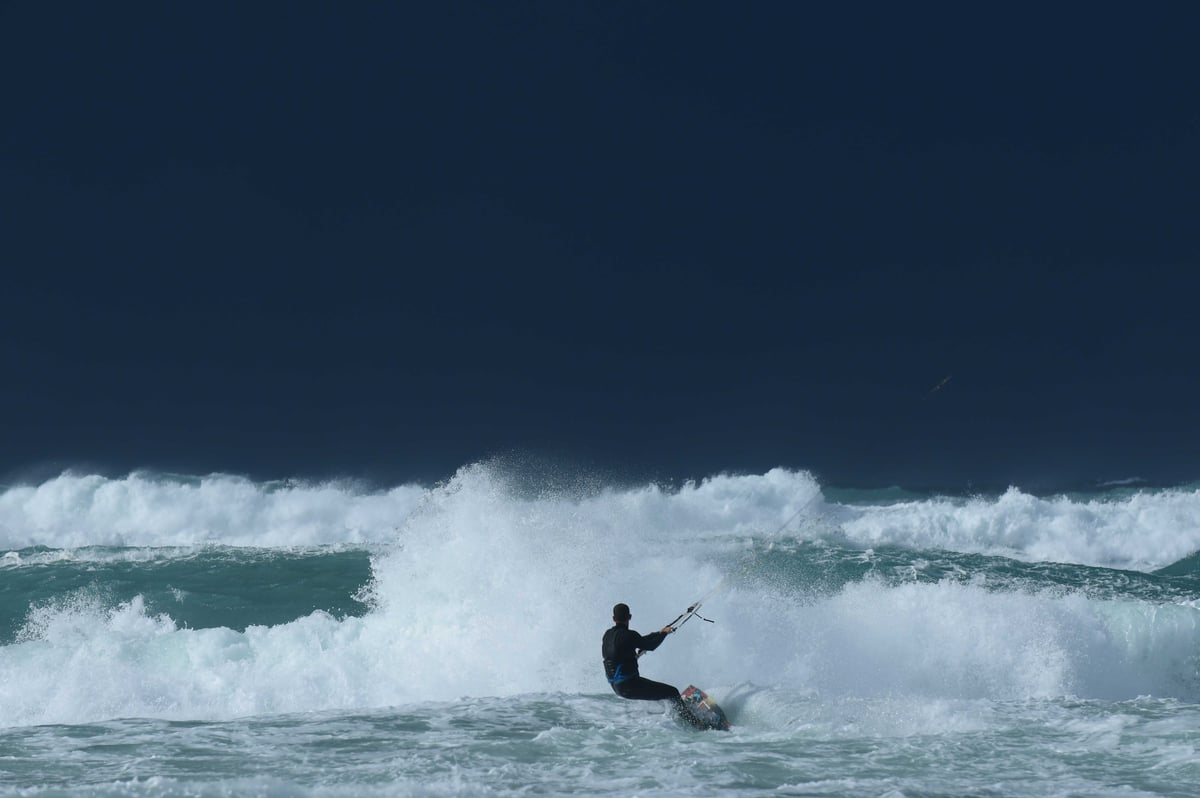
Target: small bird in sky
x=939 y=386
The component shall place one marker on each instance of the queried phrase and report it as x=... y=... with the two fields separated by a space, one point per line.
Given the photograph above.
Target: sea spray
x=1143 y=531
x=483 y=592
x=213 y=635
x=143 y=509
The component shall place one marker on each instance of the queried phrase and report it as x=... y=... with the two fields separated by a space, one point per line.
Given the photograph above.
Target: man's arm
x=654 y=640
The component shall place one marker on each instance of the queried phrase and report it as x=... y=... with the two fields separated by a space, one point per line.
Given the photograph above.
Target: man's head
x=621 y=613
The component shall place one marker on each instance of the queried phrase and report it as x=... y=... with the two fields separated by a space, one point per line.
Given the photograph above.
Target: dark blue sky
x=658 y=239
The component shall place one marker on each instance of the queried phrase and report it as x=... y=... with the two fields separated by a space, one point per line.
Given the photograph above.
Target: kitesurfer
x=620 y=649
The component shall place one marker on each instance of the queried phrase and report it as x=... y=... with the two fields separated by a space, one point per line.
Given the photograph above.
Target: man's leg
x=643 y=689
x=647 y=690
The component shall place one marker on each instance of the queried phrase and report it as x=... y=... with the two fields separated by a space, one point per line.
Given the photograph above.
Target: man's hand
x=667 y=630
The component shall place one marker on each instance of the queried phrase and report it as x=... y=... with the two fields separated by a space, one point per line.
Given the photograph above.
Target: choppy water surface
x=214 y=636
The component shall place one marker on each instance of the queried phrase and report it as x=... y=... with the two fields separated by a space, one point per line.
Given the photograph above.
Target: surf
x=478 y=587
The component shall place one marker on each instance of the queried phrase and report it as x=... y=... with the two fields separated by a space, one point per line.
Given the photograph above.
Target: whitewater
x=212 y=635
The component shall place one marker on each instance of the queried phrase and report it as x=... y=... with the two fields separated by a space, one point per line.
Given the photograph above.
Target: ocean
x=169 y=635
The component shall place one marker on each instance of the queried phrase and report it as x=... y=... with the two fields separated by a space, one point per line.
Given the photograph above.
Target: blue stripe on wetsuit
x=617 y=676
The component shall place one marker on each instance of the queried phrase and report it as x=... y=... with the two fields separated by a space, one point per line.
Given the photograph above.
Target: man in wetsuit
x=620 y=650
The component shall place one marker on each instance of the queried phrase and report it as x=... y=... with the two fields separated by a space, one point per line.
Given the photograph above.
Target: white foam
x=490 y=594
x=73 y=511
x=1144 y=531
x=919 y=644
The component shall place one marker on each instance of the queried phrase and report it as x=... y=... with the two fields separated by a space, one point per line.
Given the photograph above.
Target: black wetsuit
x=620 y=648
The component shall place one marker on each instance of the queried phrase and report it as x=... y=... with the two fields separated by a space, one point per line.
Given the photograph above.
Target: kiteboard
x=704 y=709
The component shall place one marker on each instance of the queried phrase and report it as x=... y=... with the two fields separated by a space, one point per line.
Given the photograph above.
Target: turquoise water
x=213 y=636
x=206 y=587
x=563 y=744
